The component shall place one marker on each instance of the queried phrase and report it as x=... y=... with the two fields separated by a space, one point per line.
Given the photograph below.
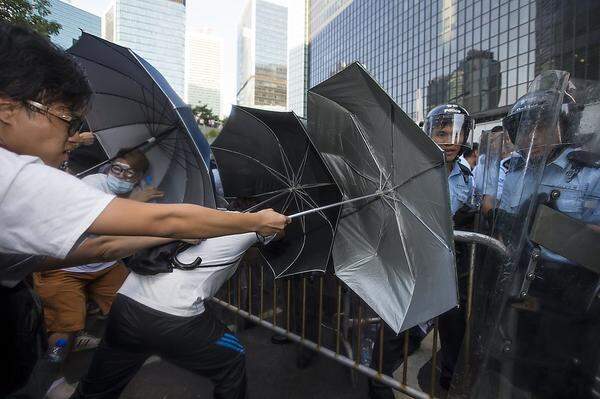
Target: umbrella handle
x=321 y=208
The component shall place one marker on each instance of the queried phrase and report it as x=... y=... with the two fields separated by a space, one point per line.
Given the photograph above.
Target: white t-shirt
x=98 y=181
x=43 y=211
x=182 y=292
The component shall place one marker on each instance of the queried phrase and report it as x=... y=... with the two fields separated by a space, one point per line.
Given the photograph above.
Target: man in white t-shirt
x=64 y=292
x=43 y=211
x=164 y=315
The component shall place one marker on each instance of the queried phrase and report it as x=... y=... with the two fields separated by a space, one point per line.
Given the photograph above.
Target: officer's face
x=539 y=143
x=444 y=137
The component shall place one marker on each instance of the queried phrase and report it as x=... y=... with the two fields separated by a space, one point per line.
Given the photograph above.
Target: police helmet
x=451 y=124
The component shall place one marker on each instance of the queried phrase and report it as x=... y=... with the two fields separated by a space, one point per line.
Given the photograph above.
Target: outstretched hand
x=147 y=194
x=271 y=222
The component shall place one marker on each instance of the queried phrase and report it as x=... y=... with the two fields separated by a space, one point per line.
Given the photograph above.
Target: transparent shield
x=486 y=176
x=535 y=318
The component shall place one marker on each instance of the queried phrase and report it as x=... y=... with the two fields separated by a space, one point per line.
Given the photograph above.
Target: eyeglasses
x=75 y=122
x=119 y=169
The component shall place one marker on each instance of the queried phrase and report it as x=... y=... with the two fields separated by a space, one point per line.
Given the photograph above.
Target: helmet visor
x=450 y=129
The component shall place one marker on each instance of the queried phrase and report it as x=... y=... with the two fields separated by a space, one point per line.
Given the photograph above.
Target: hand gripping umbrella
x=266 y=159
x=133 y=106
x=394 y=248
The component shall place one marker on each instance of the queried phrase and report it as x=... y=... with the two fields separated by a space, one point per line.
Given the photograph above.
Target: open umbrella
x=133 y=106
x=394 y=248
x=266 y=160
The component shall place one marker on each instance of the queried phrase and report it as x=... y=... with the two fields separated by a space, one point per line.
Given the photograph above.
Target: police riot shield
x=536 y=316
x=486 y=176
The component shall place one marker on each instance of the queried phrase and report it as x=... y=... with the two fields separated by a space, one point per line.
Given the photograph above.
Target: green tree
x=204 y=113
x=212 y=134
x=30 y=13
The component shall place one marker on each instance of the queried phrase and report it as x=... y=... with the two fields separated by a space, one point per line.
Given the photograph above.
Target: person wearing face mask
x=64 y=291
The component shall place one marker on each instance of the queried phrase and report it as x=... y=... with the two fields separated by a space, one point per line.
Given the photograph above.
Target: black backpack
x=23 y=335
x=160 y=259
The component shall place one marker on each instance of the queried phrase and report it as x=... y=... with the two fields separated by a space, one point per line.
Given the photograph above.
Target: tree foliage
x=204 y=114
x=30 y=13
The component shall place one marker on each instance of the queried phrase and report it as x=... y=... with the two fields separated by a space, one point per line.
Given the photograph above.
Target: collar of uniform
x=561 y=161
x=455 y=169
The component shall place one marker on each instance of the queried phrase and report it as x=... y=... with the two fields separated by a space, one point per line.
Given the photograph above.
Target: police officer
x=451 y=127
x=546 y=343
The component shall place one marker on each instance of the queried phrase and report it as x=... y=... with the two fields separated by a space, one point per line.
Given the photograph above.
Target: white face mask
x=119 y=186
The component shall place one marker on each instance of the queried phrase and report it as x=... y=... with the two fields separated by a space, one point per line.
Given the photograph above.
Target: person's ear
x=8 y=111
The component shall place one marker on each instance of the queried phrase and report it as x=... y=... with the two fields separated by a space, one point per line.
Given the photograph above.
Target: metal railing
x=297 y=309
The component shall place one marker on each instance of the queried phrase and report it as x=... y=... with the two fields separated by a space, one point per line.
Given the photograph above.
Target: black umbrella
x=395 y=250
x=133 y=106
x=266 y=160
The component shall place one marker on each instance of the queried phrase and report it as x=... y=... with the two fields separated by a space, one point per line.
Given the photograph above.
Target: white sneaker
x=85 y=342
x=60 y=389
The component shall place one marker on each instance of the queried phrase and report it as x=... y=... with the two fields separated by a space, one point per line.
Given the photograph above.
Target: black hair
x=136 y=158
x=32 y=68
x=469 y=151
x=497 y=129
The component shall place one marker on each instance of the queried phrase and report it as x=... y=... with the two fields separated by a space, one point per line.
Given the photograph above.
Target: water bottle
x=57 y=352
x=366 y=351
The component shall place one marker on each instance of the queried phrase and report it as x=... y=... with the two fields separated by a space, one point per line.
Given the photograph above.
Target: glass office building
x=155 y=29
x=203 y=69
x=262 y=55
x=72 y=20
x=297 y=74
x=479 y=53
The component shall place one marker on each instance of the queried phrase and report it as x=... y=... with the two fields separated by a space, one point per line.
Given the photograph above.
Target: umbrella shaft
x=322 y=208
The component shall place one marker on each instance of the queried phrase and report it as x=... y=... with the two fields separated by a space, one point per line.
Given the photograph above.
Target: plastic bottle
x=366 y=349
x=57 y=352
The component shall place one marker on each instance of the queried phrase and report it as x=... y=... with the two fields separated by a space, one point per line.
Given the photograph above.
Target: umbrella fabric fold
x=266 y=160
x=134 y=106
x=394 y=250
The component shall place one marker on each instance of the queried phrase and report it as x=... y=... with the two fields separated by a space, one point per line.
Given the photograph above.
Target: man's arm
x=131 y=218
x=103 y=249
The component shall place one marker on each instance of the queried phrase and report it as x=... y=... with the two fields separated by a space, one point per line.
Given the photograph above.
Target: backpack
x=23 y=335
x=160 y=259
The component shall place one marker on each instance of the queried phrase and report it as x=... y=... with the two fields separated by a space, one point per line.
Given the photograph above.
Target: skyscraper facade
x=479 y=53
x=154 y=29
x=203 y=69
x=297 y=78
x=262 y=55
x=72 y=20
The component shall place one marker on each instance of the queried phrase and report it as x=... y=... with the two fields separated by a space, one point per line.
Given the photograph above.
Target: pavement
x=272 y=374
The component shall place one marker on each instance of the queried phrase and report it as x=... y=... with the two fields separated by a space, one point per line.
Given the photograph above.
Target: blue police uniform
x=579 y=191
x=460 y=184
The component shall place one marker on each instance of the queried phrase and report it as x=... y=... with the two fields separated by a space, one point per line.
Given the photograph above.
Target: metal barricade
x=293 y=307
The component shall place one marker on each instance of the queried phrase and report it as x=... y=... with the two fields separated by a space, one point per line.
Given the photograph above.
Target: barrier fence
x=323 y=315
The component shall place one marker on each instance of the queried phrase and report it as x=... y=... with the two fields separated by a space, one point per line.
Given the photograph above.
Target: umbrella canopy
x=266 y=160
x=394 y=250
x=133 y=105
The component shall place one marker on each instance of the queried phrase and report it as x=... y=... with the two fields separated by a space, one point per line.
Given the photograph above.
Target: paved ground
x=272 y=373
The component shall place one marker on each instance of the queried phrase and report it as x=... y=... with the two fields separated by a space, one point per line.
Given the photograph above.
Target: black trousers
x=201 y=344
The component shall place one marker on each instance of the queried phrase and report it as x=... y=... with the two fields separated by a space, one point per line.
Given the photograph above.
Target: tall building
x=72 y=20
x=203 y=69
x=297 y=77
x=479 y=53
x=155 y=29
x=262 y=55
